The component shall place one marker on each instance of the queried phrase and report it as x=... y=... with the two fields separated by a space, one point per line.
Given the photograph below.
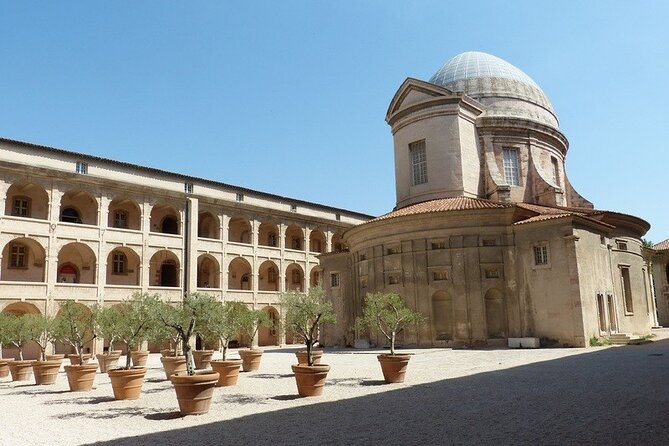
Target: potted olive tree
x=194 y=391
x=107 y=320
x=18 y=335
x=304 y=313
x=226 y=323
x=250 y=323
x=135 y=319
x=5 y=339
x=42 y=330
x=172 y=359
x=202 y=358
x=76 y=326
x=387 y=314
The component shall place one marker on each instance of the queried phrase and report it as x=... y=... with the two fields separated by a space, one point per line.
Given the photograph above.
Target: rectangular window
x=627 y=289
x=239 y=197
x=21 y=207
x=121 y=219
x=338 y=217
x=541 y=255
x=489 y=242
x=293 y=208
x=393 y=280
x=439 y=275
x=418 y=163
x=438 y=245
x=394 y=250
x=18 y=257
x=556 y=170
x=188 y=188
x=334 y=280
x=621 y=245
x=82 y=167
x=271 y=275
x=492 y=274
x=511 y=174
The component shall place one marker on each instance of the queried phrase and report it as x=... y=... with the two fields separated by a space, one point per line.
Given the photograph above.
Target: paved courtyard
x=603 y=395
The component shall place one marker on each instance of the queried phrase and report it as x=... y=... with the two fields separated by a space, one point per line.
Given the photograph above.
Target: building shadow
x=606 y=396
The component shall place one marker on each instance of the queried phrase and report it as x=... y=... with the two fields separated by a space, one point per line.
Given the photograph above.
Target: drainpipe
x=186 y=265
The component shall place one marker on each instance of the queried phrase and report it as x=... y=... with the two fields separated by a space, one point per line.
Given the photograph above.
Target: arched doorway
x=164 y=269
x=495 y=315
x=76 y=264
x=442 y=316
x=208 y=272
x=270 y=335
x=239 y=274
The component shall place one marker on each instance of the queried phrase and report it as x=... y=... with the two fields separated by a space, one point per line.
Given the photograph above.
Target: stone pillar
x=190 y=248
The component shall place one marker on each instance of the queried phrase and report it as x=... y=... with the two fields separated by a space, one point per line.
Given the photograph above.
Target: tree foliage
x=41 y=329
x=16 y=332
x=194 y=310
x=388 y=314
x=305 y=312
x=75 y=325
x=228 y=321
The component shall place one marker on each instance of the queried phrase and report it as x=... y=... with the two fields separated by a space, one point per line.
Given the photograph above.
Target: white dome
x=502 y=87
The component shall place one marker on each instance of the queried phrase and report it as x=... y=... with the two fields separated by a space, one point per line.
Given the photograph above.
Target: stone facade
x=488 y=239
x=95 y=230
x=660 y=259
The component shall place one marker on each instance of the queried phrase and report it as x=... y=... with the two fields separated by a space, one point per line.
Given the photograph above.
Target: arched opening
x=314 y=277
x=337 y=244
x=667 y=272
x=165 y=219
x=124 y=213
x=30 y=349
x=294 y=277
x=268 y=276
x=294 y=238
x=208 y=225
x=76 y=264
x=77 y=206
x=239 y=274
x=268 y=234
x=442 y=316
x=495 y=316
x=317 y=241
x=26 y=199
x=239 y=230
x=123 y=266
x=208 y=272
x=23 y=260
x=269 y=335
x=164 y=269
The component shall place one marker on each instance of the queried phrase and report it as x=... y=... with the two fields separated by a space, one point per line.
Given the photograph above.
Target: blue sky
x=290 y=97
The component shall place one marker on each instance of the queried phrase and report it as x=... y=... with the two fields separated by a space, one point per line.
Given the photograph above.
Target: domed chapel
x=488 y=238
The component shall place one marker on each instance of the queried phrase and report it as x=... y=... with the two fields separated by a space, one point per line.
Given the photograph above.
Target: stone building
x=489 y=239
x=660 y=261
x=74 y=226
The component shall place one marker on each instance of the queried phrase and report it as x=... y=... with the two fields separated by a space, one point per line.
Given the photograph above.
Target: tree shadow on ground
x=82 y=400
x=604 y=396
x=270 y=375
x=104 y=413
x=162 y=416
x=242 y=398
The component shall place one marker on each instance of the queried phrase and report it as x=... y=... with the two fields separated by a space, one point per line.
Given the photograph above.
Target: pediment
x=413 y=91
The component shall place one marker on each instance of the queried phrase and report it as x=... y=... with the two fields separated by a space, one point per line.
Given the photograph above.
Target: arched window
x=271 y=239
x=70 y=215
x=246 y=282
x=297 y=277
x=169 y=226
x=119 y=262
x=271 y=275
x=667 y=270
x=18 y=256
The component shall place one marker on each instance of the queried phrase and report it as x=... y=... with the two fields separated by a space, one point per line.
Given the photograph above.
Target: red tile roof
x=444 y=204
x=662 y=246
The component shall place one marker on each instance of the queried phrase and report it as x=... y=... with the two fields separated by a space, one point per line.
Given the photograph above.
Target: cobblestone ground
x=603 y=395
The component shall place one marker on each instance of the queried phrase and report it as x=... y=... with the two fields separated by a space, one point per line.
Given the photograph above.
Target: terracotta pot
x=394 y=367
x=127 y=383
x=55 y=357
x=228 y=371
x=21 y=370
x=310 y=379
x=115 y=352
x=250 y=359
x=74 y=359
x=4 y=367
x=81 y=377
x=139 y=358
x=302 y=356
x=194 y=392
x=107 y=361
x=46 y=372
x=202 y=358
x=168 y=352
x=173 y=364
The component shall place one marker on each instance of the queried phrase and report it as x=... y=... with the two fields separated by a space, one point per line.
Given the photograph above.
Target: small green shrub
x=598 y=342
